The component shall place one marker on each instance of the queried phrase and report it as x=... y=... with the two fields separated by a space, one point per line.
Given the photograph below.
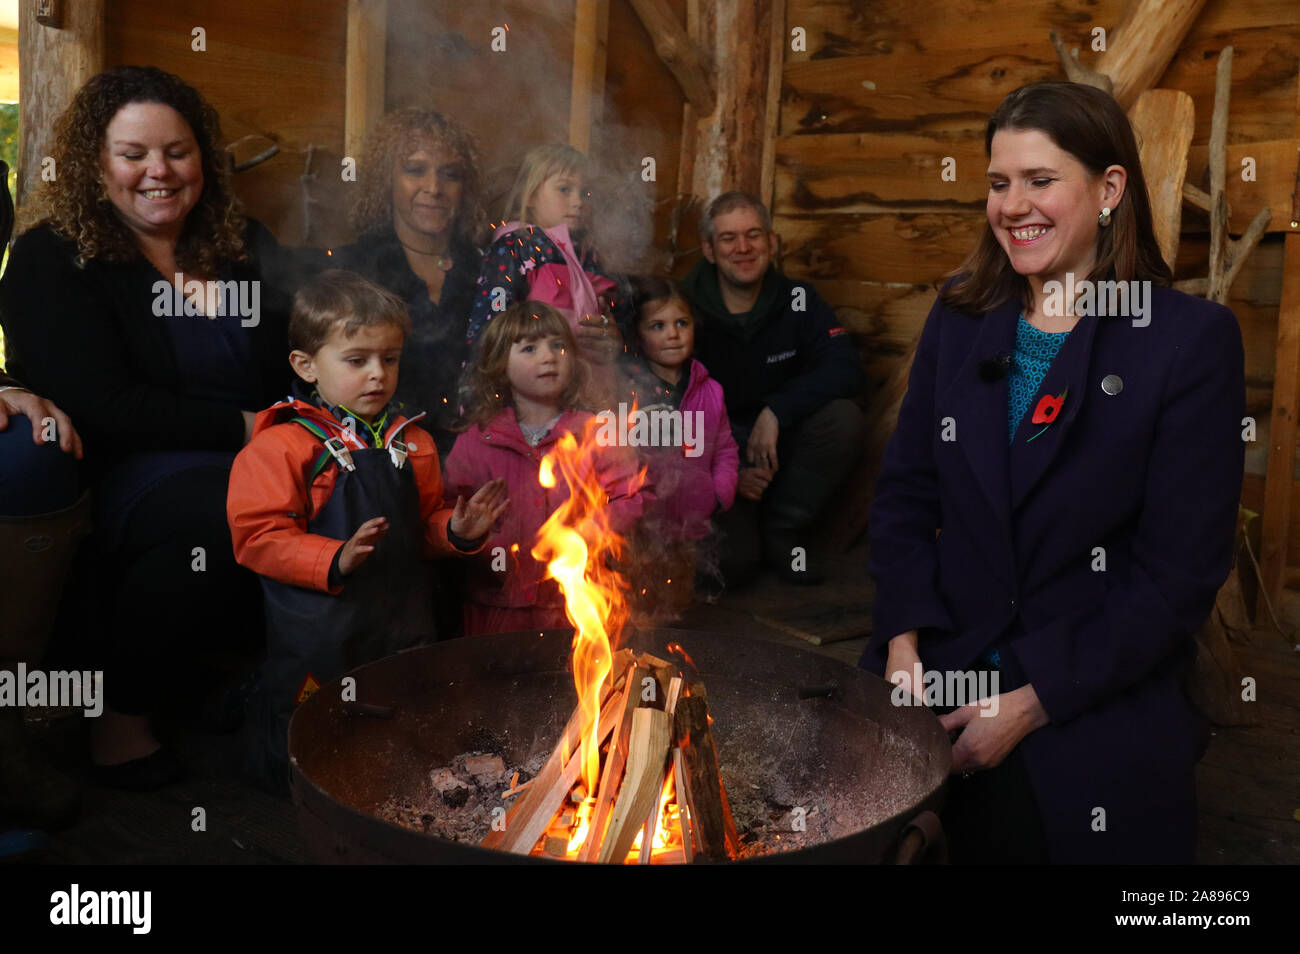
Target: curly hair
x=488 y=383
x=396 y=136
x=76 y=205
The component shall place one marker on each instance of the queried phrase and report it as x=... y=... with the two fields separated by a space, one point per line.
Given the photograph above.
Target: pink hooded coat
x=689 y=490
x=499 y=449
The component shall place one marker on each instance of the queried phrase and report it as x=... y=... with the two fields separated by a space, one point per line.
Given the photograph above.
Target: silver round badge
x=1112 y=384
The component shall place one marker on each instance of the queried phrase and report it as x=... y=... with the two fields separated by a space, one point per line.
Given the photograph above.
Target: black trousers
x=992 y=815
x=163 y=602
x=814 y=456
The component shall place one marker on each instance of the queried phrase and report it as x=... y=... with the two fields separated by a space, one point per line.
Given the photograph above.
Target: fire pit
x=840 y=771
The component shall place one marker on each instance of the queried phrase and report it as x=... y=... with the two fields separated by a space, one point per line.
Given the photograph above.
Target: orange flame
x=577 y=543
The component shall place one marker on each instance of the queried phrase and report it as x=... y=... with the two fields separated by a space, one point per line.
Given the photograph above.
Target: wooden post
x=772 y=115
x=1139 y=49
x=732 y=141
x=587 y=101
x=364 y=77
x=54 y=62
x=1279 y=478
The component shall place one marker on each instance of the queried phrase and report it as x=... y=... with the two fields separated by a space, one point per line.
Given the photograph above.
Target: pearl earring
x=1103 y=217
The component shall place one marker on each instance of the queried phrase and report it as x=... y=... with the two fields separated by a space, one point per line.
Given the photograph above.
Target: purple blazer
x=1151 y=474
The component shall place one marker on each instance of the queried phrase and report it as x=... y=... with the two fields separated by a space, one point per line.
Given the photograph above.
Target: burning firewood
x=654 y=789
x=642 y=782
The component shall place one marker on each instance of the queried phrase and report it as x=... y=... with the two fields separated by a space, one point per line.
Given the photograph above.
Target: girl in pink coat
x=692 y=481
x=525 y=385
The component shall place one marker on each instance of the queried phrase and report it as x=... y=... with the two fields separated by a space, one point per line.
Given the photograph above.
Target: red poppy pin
x=1047 y=411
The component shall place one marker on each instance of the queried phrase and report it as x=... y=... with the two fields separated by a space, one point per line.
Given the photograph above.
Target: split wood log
x=670 y=705
x=685 y=60
x=704 y=791
x=530 y=815
x=683 y=804
x=612 y=773
x=642 y=782
x=1164 y=120
x=1140 y=48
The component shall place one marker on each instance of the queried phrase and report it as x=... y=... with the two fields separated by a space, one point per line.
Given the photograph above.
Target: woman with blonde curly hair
x=420 y=217
x=133 y=298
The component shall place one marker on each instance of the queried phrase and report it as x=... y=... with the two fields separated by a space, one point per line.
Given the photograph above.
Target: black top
x=434 y=357
x=789 y=353
x=93 y=338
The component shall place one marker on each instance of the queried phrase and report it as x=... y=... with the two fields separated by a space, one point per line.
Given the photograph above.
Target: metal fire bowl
x=812 y=725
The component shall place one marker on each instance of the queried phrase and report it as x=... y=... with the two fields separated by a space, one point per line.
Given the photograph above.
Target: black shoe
x=143 y=774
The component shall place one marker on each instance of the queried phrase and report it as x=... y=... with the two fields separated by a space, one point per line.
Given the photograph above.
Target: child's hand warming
x=362 y=544
x=473 y=520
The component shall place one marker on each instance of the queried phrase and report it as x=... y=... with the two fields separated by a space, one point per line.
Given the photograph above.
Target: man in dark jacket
x=789 y=372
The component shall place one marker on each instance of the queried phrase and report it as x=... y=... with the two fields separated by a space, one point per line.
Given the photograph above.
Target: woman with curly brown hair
x=133 y=300
x=420 y=217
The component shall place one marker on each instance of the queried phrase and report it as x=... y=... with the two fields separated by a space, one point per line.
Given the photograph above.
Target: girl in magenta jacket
x=525 y=384
x=697 y=479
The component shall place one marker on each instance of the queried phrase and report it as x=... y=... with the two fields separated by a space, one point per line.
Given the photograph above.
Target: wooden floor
x=1249 y=780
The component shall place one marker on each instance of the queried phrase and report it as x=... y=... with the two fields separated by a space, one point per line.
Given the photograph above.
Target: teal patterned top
x=1035 y=352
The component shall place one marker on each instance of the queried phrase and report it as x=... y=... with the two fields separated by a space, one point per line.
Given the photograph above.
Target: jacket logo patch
x=306 y=690
x=774 y=358
x=837 y=330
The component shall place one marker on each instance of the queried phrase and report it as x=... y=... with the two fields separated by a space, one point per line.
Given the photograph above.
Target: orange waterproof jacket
x=273 y=496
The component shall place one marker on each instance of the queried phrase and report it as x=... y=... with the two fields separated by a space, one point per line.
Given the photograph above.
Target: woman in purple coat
x=1056 y=508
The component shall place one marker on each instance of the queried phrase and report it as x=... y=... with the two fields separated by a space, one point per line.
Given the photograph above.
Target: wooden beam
x=688 y=63
x=367 y=48
x=54 y=62
x=772 y=115
x=590 y=43
x=1139 y=49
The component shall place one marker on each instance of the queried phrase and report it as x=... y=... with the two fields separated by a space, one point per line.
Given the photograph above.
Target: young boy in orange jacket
x=336 y=501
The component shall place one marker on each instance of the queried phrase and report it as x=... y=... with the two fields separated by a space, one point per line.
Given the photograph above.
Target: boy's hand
x=473 y=520
x=362 y=544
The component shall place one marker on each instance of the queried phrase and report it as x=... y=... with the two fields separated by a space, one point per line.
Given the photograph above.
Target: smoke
x=442 y=56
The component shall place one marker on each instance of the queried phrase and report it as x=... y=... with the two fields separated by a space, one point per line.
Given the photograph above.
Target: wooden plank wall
x=882 y=94
x=270 y=68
